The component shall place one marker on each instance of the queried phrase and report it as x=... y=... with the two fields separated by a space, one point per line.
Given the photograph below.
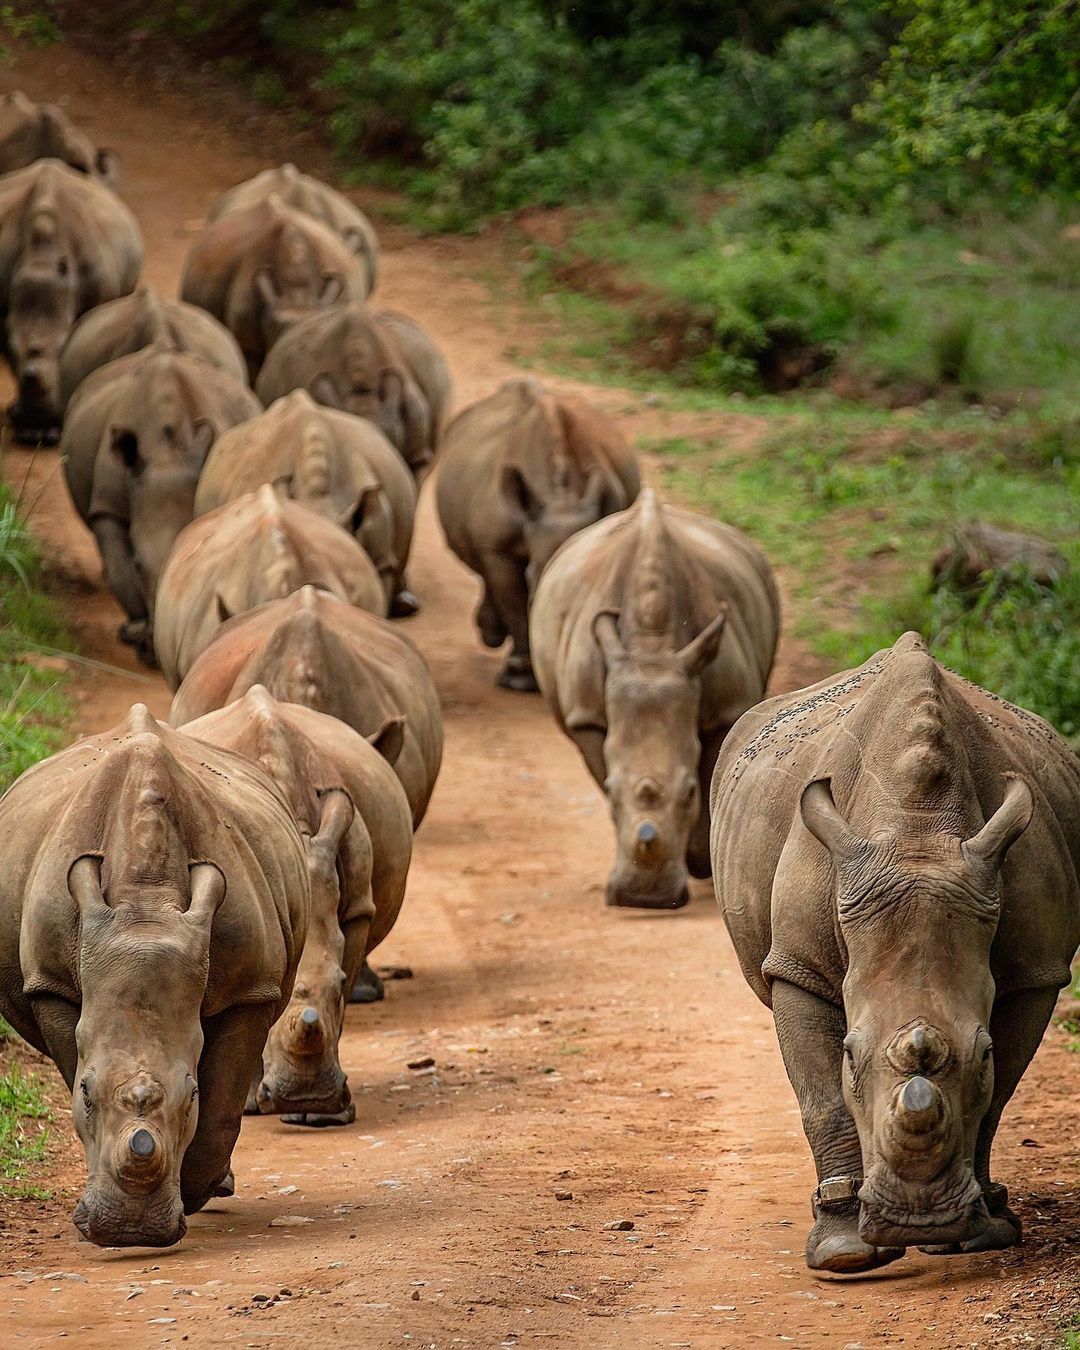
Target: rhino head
x=42 y=309
x=294 y=285
x=918 y=914
x=138 y=1039
x=652 y=750
x=547 y=524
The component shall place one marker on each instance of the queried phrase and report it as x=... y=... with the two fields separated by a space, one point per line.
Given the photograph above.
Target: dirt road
x=615 y=1060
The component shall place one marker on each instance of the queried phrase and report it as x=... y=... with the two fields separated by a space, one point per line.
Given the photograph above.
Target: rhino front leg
x=232 y=1048
x=1017 y=1026
x=118 y=563
x=811 y=1033
x=504 y=579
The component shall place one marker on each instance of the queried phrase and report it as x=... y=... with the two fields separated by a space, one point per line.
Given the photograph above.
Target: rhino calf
x=335 y=464
x=653 y=631
x=66 y=245
x=311 y=195
x=522 y=471
x=260 y=547
x=896 y=854
x=139 y=320
x=357 y=829
x=30 y=131
x=153 y=907
x=135 y=438
x=264 y=269
x=319 y=651
x=374 y=364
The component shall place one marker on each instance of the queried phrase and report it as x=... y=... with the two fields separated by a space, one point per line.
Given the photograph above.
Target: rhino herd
x=187 y=908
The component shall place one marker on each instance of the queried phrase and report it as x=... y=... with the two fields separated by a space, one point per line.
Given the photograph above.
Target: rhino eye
x=84 y=1091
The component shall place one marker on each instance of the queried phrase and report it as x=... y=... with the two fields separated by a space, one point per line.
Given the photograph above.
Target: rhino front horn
x=919 y=1104
x=142 y=1144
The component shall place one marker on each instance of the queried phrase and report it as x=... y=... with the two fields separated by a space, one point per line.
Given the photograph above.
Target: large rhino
x=135 y=438
x=260 y=547
x=30 y=131
x=66 y=244
x=320 y=651
x=375 y=364
x=153 y=907
x=331 y=462
x=134 y=321
x=264 y=269
x=653 y=631
x=896 y=854
x=355 y=822
x=318 y=199
x=522 y=471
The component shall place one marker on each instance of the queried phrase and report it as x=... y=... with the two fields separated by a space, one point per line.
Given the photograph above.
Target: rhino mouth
x=105 y=1226
x=33 y=424
x=882 y=1223
x=620 y=897
x=303 y=1099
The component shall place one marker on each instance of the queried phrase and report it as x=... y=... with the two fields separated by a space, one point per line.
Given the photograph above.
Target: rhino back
x=219 y=809
x=776 y=886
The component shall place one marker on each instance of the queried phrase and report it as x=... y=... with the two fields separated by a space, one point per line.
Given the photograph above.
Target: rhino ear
x=336 y=817
x=698 y=652
x=519 y=494
x=222 y=609
x=391 y=386
x=324 y=390
x=389 y=740
x=125 y=446
x=207 y=892
x=107 y=166
x=333 y=289
x=824 y=821
x=605 y=629
x=365 y=504
x=202 y=438
x=84 y=884
x=1004 y=827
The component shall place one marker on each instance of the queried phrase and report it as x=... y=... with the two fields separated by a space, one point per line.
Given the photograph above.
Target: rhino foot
x=367 y=988
x=226 y=1187
x=1003 y=1230
x=834 y=1245
x=518 y=676
x=317 y=1120
x=492 y=629
x=404 y=605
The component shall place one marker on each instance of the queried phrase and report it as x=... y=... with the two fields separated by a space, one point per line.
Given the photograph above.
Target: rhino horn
x=605 y=629
x=698 y=652
x=1004 y=827
x=824 y=821
x=919 y=1105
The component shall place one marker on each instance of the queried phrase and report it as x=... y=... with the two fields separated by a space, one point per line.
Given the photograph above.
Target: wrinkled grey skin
x=521 y=472
x=135 y=438
x=260 y=547
x=896 y=854
x=267 y=268
x=372 y=364
x=66 y=245
x=153 y=907
x=30 y=131
x=652 y=633
x=138 y=320
x=318 y=199
x=335 y=464
x=315 y=649
x=355 y=822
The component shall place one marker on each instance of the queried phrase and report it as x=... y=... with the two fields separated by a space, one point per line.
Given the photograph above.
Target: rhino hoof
x=367 y=988
x=522 y=680
x=1003 y=1230
x=404 y=605
x=315 y=1120
x=226 y=1187
x=835 y=1247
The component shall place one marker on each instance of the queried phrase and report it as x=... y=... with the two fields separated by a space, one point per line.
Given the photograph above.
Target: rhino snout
x=109 y=1217
x=644 y=886
x=939 y=1216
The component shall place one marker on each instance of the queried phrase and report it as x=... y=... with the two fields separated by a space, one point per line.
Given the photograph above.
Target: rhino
x=30 y=131
x=522 y=471
x=260 y=547
x=896 y=853
x=374 y=364
x=315 y=649
x=262 y=270
x=318 y=199
x=333 y=463
x=134 y=321
x=356 y=825
x=153 y=907
x=653 y=631
x=135 y=438
x=66 y=245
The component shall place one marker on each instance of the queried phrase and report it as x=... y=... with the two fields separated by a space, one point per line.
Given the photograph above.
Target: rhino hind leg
x=811 y=1033
x=367 y=987
x=492 y=629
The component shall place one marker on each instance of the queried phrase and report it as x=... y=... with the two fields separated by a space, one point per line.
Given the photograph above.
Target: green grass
x=852 y=505
x=24 y=1134
x=32 y=703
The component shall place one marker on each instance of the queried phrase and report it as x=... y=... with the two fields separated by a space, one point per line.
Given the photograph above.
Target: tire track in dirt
x=615 y=1057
